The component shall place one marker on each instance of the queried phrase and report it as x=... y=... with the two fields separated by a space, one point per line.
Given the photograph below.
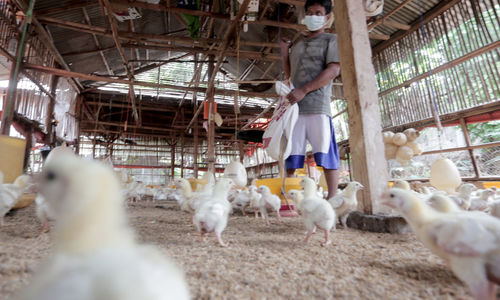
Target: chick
x=297 y=197
x=401 y=184
x=242 y=200
x=193 y=200
x=10 y=193
x=442 y=203
x=463 y=199
x=95 y=254
x=481 y=202
x=212 y=214
x=346 y=202
x=44 y=212
x=495 y=209
x=468 y=241
x=255 y=199
x=316 y=211
x=269 y=201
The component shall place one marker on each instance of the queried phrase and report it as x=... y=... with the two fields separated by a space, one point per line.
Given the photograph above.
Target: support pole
x=211 y=121
x=50 y=111
x=8 y=113
x=465 y=131
x=358 y=76
x=172 y=159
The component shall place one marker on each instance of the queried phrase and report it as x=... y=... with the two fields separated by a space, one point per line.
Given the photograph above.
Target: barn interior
x=166 y=89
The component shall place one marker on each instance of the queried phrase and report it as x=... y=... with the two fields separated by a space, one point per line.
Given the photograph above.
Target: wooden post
x=465 y=131
x=358 y=76
x=50 y=111
x=9 y=103
x=242 y=150
x=182 y=155
x=195 y=139
x=27 y=149
x=172 y=159
x=211 y=121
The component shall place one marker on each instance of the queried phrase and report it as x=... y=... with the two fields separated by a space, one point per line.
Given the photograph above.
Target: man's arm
x=331 y=72
x=285 y=46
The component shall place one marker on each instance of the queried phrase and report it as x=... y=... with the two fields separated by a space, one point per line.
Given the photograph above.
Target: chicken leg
x=219 y=239
x=327 y=239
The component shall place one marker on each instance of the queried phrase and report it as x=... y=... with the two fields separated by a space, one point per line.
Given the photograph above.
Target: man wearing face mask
x=311 y=64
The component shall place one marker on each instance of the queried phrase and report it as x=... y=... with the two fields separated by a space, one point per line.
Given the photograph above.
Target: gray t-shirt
x=308 y=58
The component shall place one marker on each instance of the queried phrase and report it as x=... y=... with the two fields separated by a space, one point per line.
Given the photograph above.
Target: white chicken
x=346 y=202
x=495 y=208
x=255 y=198
x=44 y=212
x=213 y=213
x=463 y=199
x=268 y=201
x=10 y=193
x=468 y=241
x=401 y=184
x=481 y=203
x=193 y=200
x=442 y=203
x=297 y=197
x=241 y=200
x=316 y=211
x=95 y=254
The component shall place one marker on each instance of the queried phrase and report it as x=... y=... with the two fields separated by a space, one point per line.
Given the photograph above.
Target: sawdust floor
x=260 y=262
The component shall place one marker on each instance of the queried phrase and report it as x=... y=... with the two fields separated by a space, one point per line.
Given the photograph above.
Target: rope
x=435 y=111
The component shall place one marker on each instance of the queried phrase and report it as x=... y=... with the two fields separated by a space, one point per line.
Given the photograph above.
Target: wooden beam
x=416 y=25
x=119 y=124
x=444 y=67
x=358 y=76
x=396 y=25
x=388 y=15
x=482 y=146
x=465 y=132
x=66 y=7
x=96 y=42
x=64 y=73
x=50 y=111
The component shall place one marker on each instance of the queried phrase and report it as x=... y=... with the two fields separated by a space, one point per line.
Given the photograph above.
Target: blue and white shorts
x=318 y=130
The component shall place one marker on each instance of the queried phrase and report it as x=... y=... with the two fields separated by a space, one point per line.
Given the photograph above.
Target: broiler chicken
x=463 y=199
x=468 y=241
x=242 y=200
x=346 y=202
x=482 y=202
x=316 y=212
x=268 y=201
x=95 y=254
x=10 y=193
x=212 y=215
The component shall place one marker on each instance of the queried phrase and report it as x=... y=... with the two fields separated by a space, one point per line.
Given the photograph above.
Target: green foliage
x=484 y=132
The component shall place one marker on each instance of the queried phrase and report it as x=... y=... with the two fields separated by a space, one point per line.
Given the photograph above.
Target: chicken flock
x=92 y=239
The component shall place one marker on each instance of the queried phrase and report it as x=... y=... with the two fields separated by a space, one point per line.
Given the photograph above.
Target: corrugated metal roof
x=154 y=22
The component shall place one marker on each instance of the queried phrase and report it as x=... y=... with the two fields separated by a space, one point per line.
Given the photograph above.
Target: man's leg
x=332 y=181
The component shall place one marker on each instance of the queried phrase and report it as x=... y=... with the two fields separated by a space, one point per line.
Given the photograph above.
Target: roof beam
x=96 y=42
x=64 y=73
x=415 y=25
x=389 y=14
x=114 y=30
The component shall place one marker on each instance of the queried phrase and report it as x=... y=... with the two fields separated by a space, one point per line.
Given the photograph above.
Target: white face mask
x=314 y=23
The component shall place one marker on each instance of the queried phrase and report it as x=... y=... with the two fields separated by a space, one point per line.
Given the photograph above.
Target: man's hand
x=296 y=95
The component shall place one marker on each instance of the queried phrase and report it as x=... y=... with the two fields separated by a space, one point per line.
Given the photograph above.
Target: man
x=311 y=65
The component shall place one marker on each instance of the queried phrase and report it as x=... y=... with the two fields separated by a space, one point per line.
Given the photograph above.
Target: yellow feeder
x=194 y=183
x=490 y=184
x=275 y=185
x=11 y=157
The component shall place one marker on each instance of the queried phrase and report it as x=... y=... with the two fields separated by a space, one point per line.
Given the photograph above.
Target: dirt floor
x=261 y=262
